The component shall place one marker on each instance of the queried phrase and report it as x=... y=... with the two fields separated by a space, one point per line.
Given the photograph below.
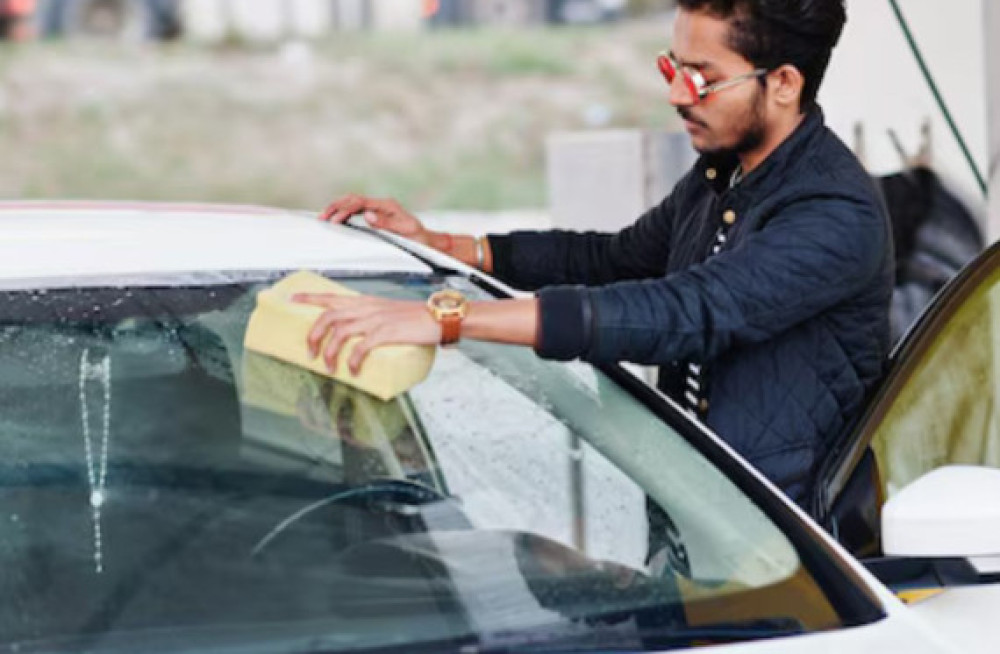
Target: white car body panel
x=965 y=616
x=65 y=243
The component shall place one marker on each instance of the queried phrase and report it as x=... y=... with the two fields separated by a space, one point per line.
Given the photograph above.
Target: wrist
x=441 y=241
x=448 y=308
x=480 y=254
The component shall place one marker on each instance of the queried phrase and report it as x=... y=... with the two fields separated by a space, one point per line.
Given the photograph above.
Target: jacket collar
x=717 y=169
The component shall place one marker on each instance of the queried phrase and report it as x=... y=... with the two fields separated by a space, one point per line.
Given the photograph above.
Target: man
x=761 y=285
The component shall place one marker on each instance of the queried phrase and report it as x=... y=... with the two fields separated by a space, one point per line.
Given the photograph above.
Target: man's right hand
x=384 y=214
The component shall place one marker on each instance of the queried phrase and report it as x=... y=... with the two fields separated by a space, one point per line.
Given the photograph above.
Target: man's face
x=732 y=120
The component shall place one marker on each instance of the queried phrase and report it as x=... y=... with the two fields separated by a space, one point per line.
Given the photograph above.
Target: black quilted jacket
x=790 y=321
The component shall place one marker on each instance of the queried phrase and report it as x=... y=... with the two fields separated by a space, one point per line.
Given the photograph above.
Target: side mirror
x=952 y=512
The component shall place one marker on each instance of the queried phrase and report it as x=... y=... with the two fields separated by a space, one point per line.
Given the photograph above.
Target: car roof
x=51 y=243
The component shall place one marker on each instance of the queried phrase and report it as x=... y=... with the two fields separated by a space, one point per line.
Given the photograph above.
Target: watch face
x=448 y=302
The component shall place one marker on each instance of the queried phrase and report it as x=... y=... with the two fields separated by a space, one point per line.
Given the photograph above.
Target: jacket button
x=703 y=406
x=711 y=173
x=729 y=217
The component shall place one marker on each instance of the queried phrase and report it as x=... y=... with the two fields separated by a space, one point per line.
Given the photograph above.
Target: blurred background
x=445 y=105
x=478 y=114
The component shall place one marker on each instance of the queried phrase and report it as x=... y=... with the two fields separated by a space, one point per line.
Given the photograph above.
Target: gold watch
x=448 y=307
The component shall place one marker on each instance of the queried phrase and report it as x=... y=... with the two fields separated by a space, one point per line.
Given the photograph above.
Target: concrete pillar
x=991 y=27
x=595 y=179
x=604 y=180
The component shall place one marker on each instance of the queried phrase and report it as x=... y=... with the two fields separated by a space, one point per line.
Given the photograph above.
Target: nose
x=681 y=94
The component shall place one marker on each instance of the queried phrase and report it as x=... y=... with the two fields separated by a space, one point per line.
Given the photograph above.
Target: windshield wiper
x=400 y=492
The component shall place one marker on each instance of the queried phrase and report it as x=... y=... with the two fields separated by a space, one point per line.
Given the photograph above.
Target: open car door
x=936 y=409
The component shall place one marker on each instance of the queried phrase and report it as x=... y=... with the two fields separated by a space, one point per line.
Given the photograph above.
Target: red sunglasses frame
x=695 y=82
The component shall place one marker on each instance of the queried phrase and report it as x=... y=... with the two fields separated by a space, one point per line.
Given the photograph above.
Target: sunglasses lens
x=692 y=87
x=667 y=68
x=670 y=71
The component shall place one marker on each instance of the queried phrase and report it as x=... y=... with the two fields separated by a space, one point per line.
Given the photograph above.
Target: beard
x=750 y=133
x=753 y=133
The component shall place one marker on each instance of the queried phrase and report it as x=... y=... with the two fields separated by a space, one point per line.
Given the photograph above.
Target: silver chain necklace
x=737 y=176
x=96 y=475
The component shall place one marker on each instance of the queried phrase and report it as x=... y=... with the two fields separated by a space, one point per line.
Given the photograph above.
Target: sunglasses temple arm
x=721 y=86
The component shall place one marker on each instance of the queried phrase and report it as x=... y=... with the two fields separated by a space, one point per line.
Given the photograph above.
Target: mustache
x=686 y=114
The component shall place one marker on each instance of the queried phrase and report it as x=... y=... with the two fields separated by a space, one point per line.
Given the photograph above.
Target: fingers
x=343 y=208
x=345 y=317
x=340 y=310
x=372 y=335
x=380 y=214
x=377 y=321
x=319 y=332
x=338 y=336
x=350 y=205
x=326 y=300
x=371 y=340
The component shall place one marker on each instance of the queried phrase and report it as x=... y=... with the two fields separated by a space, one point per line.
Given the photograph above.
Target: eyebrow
x=697 y=65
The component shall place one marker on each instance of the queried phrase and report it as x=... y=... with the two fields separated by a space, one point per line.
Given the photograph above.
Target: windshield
x=159 y=485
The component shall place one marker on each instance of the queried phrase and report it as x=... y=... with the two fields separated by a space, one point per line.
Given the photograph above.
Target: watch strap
x=451 y=328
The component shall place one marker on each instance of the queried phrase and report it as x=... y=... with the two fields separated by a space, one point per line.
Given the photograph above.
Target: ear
x=786 y=83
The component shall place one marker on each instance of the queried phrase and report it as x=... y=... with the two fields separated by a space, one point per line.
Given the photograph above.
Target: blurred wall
x=396 y=15
x=992 y=26
x=874 y=80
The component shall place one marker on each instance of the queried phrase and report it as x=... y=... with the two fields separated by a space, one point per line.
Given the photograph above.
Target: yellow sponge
x=279 y=327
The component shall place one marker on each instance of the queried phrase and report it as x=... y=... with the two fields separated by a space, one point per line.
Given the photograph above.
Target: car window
x=159 y=483
x=939 y=407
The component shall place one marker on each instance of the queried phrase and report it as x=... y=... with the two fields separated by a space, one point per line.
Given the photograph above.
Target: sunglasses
x=695 y=82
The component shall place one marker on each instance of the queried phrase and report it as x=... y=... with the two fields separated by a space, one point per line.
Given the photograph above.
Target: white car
x=164 y=490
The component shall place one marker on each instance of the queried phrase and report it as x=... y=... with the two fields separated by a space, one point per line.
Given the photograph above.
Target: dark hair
x=771 y=33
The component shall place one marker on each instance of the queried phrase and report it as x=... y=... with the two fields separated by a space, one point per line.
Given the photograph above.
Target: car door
x=937 y=407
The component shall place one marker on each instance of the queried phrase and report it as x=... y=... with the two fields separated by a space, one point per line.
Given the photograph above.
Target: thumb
x=373 y=219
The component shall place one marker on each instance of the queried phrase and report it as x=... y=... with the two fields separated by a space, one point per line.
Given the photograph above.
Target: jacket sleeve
x=811 y=256
x=532 y=260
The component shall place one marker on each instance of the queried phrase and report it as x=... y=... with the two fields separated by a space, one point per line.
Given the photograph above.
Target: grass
x=442 y=120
